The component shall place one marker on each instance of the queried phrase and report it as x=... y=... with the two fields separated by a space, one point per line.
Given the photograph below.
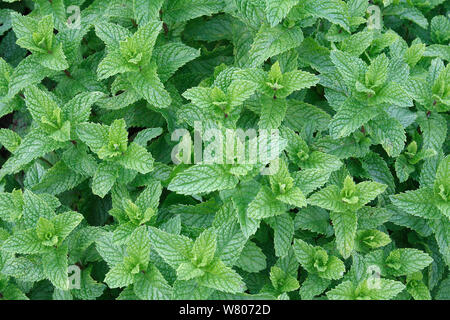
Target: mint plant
x=224 y=149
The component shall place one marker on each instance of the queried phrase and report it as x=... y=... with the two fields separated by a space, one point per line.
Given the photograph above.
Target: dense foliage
x=101 y=198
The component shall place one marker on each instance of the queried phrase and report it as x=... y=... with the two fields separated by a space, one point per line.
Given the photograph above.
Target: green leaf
x=111 y=34
x=188 y=271
x=434 y=130
x=313 y=286
x=147 y=84
x=34 y=145
x=440 y=29
x=34 y=207
x=349 y=67
x=400 y=217
x=367 y=240
x=138 y=247
x=414 y=53
x=204 y=248
x=202 y=178
x=393 y=93
x=95 y=191
x=379 y=171
x=26 y=242
x=357 y=43
x=420 y=203
x=443 y=292
x=22 y=77
x=9 y=139
x=119 y=276
x=336 y=11
x=283 y=227
x=149 y=197
x=297 y=80
x=314 y=219
x=78 y=109
x=174 y=249
x=184 y=10
x=328 y=198
x=137 y=158
x=442 y=185
x=24 y=269
x=377 y=72
x=230 y=240
x=239 y=91
x=350 y=117
x=281 y=281
x=417 y=288
x=344 y=224
x=316 y=261
x=111 y=253
x=389 y=133
x=407 y=261
x=145 y=11
x=11 y=205
x=65 y=222
x=382 y=290
x=409 y=12
x=112 y=64
x=272 y=113
x=252 y=259
x=89 y=288
x=269 y=42
x=56 y=267
x=442 y=236
x=151 y=285
x=265 y=205
x=58 y=179
x=104 y=178
x=277 y=10
x=220 y=277
x=172 y=56
x=369 y=190
x=350 y=198
x=93 y=134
